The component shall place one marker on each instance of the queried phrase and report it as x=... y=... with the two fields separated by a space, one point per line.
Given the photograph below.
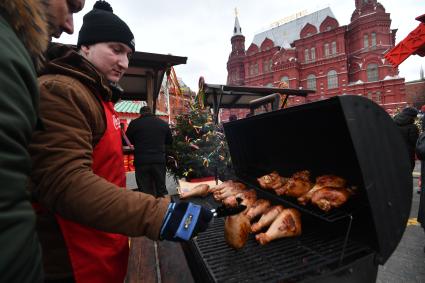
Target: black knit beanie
x=410 y=111
x=102 y=25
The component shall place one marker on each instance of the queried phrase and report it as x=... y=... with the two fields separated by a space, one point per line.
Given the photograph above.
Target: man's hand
x=184 y=220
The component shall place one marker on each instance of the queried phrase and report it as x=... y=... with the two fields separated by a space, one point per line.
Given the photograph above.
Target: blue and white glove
x=184 y=220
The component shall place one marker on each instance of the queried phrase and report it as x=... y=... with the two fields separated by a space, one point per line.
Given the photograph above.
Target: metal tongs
x=223 y=211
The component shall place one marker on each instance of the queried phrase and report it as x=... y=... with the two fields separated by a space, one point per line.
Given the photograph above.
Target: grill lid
x=348 y=136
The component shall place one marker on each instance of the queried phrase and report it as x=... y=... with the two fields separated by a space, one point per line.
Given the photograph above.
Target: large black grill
x=291 y=259
x=348 y=136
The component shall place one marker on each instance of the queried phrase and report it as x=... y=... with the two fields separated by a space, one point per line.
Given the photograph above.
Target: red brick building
x=313 y=51
x=415 y=93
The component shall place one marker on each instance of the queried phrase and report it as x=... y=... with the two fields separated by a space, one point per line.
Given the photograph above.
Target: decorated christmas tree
x=199 y=148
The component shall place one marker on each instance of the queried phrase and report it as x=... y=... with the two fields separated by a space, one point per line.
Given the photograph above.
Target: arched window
x=373 y=39
x=306 y=55
x=332 y=79
x=311 y=82
x=265 y=66
x=334 y=47
x=365 y=41
x=326 y=49
x=313 y=54
x=372 y=72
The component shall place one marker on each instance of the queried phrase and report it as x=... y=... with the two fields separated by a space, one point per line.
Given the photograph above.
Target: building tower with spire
x=235 y=63
x=313 y=51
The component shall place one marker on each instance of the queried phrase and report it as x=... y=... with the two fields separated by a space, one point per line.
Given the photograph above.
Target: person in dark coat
x=420 y=152
x=150 y=135
x=25 y=30
x=405 y=121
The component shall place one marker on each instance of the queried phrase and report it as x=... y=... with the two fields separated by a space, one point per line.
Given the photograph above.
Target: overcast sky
x=201 y=29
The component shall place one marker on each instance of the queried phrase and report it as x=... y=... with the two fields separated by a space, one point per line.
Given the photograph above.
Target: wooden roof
x=145 y=74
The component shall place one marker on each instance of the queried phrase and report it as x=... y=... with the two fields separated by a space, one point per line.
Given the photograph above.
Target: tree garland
x=199 y=148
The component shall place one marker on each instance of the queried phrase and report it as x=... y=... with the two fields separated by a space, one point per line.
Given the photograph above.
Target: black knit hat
x=102 y=25
x=410 y=111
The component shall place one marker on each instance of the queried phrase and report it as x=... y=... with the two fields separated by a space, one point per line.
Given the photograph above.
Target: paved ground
x=407 y=263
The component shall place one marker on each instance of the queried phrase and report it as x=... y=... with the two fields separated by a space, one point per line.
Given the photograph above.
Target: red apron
x=98 y=256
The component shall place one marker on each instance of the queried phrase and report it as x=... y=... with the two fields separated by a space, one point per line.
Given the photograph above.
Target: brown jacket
x=62 y=179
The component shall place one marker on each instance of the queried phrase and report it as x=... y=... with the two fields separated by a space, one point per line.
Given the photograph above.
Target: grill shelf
x=335 y=214
x=311 y=254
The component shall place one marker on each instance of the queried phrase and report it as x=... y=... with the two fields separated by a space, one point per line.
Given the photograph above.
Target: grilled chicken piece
x=327 y=197
x=221 y=186
x=230 y=201
x=271 y=181
x=236 y=230
x=268 y=179
x=286 y=224
x=331 y=181
x=246 y=197
x=249 y=197
x=298 y=185
x=197 y=191
x=227 y=191
x=267 y=218
x=323 y=181
x=259 y=207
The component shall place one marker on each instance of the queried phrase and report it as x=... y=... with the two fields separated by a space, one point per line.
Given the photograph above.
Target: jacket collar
x=28 y=20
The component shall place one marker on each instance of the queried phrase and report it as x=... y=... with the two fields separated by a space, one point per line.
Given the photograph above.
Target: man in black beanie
x=103 y=36
x=78 y=174
x=102 y=25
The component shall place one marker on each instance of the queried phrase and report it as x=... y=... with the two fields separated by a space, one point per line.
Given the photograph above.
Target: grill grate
x=335 y=214
x=289 y=259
